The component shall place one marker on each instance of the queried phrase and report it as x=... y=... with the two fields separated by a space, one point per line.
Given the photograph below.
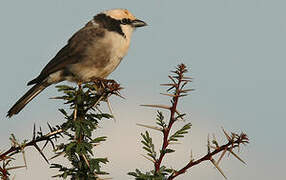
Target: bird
x=94 y=51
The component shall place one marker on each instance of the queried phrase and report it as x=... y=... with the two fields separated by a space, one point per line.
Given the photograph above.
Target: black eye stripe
x=125 y=21
x=109 y=23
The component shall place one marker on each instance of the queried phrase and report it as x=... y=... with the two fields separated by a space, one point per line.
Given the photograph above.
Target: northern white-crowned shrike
x=92 y=52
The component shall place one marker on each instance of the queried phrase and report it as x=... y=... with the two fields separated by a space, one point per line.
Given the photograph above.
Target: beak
x=138 y=23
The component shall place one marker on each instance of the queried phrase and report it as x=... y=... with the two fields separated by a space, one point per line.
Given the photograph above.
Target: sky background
x=236 y=54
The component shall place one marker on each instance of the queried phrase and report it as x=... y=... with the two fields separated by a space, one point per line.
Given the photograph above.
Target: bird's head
x=125 y=17
x=119 y=20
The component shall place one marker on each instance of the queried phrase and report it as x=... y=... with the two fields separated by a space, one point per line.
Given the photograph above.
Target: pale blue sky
x=236 y=52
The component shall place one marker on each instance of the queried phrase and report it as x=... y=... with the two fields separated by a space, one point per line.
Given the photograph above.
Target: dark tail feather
x=21 y=103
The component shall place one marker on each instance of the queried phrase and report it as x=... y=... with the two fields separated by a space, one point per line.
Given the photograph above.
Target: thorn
x=57 y=155
x=56 y=97
x=24 y=158
x=183 y=85
x=110 y=109
x=99 y=99
x=186 y=90
x=221 y=156
x=226 y=135
x=15 y=167
x=183 y=95
x=86 y=161
x=42 y=154
x=34 y=132
x=119 y=95
x=98 y=178
x=14 y=141
x=185 y=77
x=171 y=95
x=50 y=127
x=192 y=157
x=96 y=107
x=75 y=113
x=172 y=79
x=167 y=84
x=217 y=167
x=209 y=147
x=45 y=145
x=55 y=132
x=171 y=88
x=235 y=155
x=150 y=127
x=174 y=142
x=187 y=81
x=157 y=106
x=179 y=114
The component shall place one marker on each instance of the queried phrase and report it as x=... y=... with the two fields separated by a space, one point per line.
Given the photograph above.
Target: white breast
x=117 y=48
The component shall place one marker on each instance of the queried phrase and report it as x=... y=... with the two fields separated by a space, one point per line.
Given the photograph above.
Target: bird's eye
x=125 y=21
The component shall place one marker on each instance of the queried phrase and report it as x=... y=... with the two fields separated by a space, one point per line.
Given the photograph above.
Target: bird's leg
x=104 y=81
x=110 y=81
x=79 y=84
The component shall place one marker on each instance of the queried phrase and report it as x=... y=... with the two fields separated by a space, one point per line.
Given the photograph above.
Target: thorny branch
x=80 y=127
x=81 y=102
x=177 y=80
x=16 y=147
x=233 y=142
x=177 y=85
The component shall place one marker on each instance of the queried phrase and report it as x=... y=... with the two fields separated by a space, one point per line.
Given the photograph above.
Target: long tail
x=24 y=100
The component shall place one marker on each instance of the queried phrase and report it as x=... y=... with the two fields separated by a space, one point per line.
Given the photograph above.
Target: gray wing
x=71 y=53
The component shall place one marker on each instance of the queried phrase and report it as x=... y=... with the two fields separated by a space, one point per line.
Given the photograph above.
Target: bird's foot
x=103 y=82
x=79 y=84
x=107 y=85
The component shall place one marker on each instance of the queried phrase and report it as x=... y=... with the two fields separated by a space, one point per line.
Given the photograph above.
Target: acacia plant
x=79 y=142
x=176 y=90
x=81 y=121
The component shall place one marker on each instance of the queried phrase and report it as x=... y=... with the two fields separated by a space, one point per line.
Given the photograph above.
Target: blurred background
x=236 y=54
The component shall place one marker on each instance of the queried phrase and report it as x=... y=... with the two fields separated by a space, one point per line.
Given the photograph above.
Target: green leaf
x=63 y=112
x=98 y=139
x=180 y=133
x=148 y=145
x=70 y=146
x=160 y=120
x=169 y=150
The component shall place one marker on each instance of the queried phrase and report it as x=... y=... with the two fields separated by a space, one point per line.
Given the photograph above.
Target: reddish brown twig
x=16 y=148
x=233 y=142
x=179 y=81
